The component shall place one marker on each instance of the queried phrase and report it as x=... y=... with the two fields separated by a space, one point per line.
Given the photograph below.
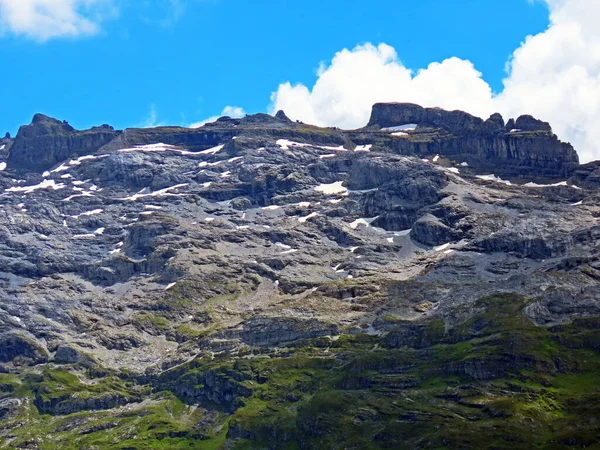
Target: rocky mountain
x=428 y=281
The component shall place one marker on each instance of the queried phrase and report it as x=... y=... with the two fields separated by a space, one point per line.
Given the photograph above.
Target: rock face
x=527 y=147
x=395 y=114
x=47 y=141
x=260 y=281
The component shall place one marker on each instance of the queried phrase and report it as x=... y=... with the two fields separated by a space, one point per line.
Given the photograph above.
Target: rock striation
x=526 y=147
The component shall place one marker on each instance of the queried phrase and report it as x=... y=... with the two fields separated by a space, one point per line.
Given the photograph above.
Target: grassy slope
x=496 y=381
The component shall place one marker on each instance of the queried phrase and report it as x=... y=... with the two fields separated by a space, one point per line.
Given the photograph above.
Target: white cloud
x=231 y=111
x=151 y=120
x=554 y=76
x=358 y=78
x=46 y=19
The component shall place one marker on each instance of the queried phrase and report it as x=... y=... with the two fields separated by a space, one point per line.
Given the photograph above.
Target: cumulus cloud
x=231 y=111
x=46 y=19
x=554 y=75
x=358 y=78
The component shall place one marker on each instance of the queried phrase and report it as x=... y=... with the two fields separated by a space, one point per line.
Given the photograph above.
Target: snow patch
x=306 y=218
x=493 y=178
x=363 y=221
x=331 y=155
x=339 y=148
x=169 y=286
x=71 y=197
x=212 y=151
x=332 y=188
x=2 y=166
x=45 y=184
x=60 y=168
x=285 y=144
x=166 y=192
x=98 y=232
x=87 y=213
x=441 y=248
x=363 y=148
x=407 y=127
x=271 y=208
x=562 y=183
x=158 y=147
x=78 y=161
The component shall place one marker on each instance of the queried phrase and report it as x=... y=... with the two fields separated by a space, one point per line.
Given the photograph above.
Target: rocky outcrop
x=274 y=331
x=18 y=346
x=530 y=123
x=395 y=114
x=219 y=387
x=70 y=404
x=526 y=148
x=587 y=175
x=47 y=141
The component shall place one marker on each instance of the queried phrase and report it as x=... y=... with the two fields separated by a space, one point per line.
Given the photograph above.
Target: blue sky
x=178 y=62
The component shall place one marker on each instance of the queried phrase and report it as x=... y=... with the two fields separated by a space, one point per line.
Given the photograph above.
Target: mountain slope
x=259 y=283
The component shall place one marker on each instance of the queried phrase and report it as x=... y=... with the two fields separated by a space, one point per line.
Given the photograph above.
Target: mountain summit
x=428 y=281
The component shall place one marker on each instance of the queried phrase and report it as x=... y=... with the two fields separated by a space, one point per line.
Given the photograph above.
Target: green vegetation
x=495 y=381
x=150 y=323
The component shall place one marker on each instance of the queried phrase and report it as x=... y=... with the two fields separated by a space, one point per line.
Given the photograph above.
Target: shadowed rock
x=47 y=141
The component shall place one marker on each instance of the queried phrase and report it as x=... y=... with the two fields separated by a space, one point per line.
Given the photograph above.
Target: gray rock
x=46 y=142
x=529 y=123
